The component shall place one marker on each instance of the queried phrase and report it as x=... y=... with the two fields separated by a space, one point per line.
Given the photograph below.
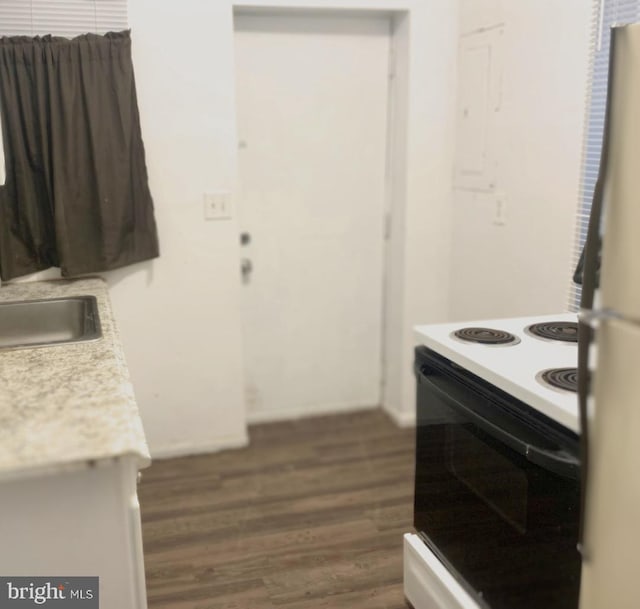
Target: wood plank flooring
x=310 y=515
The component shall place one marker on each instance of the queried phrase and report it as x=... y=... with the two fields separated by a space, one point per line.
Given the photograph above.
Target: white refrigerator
x=610 y=403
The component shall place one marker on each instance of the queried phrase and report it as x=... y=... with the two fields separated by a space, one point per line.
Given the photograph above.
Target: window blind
x=606 y=14
x=60 y=18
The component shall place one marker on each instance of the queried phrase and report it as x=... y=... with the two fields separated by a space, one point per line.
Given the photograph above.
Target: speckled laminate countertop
x=67 y=405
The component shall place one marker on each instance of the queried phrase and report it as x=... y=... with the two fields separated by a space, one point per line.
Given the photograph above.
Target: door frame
x=396 y=170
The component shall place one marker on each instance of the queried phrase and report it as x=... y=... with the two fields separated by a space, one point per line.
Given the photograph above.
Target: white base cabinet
x=79 y=521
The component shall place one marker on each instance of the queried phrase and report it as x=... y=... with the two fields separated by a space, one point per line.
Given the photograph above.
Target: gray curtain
x=76 y=193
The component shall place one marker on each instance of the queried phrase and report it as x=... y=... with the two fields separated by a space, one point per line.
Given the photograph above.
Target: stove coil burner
x=565 y=379
x=486 y=336
x=564 y=331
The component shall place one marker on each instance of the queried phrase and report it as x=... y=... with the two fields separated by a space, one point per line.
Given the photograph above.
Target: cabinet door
x=80 y=522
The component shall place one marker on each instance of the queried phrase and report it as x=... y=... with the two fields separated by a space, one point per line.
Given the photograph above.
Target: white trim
x=393 y=6
x=401 y=418
x=427 y=583
x=184 y=449
x=303 y=412
x=132 y=517
x=399 y=122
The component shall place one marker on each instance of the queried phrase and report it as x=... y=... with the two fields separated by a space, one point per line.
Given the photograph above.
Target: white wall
x=418 y=256
x=394 y=281
x=179 y=315
x=536 y=141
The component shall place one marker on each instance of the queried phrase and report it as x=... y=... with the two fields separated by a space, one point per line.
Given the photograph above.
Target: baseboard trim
x=185 y=449
x=270 y=416
x=401 y=419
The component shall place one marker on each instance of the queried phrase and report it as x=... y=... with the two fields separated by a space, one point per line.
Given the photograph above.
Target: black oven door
x=496 y=490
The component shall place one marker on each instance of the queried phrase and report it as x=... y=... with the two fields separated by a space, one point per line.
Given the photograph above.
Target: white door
x=312 y=112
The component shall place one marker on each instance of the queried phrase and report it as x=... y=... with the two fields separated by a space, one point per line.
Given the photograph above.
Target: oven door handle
x=559 y=462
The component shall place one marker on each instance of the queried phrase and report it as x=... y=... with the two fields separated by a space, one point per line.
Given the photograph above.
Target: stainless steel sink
x=47 y=322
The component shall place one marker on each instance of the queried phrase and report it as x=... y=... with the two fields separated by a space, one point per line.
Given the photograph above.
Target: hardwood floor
x=310 y=515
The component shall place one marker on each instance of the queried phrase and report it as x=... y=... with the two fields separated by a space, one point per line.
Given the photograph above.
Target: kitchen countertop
x=67 y=405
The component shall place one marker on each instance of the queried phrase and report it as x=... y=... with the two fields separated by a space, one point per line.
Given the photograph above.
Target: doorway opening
x=318 y=138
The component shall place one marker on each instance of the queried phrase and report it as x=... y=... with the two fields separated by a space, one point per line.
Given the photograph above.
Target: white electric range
x=497 y=466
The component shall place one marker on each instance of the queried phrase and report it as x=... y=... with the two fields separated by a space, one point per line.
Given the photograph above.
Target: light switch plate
x=217 y=205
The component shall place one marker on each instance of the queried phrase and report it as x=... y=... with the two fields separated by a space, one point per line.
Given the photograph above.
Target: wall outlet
x=217 y=205
x=500 y=210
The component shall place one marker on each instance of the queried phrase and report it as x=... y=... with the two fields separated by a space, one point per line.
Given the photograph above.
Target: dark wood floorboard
x=310 y=515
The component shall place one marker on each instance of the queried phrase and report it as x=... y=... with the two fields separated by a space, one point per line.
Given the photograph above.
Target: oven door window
x=504 y=525
x=490 y=476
